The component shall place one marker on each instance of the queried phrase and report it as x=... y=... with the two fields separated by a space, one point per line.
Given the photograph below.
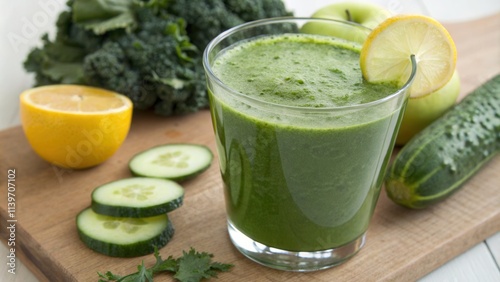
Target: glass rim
x=215 y=41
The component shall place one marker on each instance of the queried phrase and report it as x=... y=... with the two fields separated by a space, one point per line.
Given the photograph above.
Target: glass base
x=290 y=260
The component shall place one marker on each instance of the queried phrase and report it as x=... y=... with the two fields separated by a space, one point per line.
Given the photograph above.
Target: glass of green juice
x=303 y=141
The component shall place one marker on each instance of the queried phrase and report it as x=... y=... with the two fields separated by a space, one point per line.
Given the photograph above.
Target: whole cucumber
x=443 y=156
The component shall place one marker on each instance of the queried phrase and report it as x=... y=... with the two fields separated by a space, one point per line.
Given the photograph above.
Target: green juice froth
x=303 y=71
x=299 y=187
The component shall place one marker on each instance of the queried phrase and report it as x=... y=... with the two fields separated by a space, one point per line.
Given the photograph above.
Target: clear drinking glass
x=300 y=183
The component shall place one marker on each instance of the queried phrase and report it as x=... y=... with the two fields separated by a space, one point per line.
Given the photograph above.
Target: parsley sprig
x=192 y=266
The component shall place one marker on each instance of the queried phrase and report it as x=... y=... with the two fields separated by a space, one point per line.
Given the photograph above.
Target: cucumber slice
x=172 y=161
x=123 y=237
x=137 y=197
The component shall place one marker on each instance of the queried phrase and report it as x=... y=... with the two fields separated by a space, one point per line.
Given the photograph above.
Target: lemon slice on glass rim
x=385 y=55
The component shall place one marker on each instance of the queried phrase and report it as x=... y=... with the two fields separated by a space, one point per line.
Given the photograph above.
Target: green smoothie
x=296 y=179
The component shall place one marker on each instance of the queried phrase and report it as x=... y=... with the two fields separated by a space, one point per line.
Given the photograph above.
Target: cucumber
x=443 y=156
x=172 y=161
x=121 y=236
x=137 y=197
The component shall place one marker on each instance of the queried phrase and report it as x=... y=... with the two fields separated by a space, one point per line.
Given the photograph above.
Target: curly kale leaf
x=148 y=50
x=157 y=58
x=56 y=63
x=207 y=19
x=104 y=16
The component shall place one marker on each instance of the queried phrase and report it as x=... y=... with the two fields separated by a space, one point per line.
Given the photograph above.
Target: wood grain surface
x=402 y=244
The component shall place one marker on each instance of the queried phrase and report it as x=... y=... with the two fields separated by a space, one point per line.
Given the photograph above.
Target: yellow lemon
x=74 y=126
x=385 y=57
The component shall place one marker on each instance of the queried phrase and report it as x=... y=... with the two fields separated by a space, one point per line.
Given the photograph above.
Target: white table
x=22 y=23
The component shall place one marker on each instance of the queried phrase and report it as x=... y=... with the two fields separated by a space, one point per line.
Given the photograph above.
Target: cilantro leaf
x=224 y=267
x=170 y=264
x=109 y=276
x=144 y=274
x=192 y=266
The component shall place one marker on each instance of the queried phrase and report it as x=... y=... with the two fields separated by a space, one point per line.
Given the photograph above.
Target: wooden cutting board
x=402 y=244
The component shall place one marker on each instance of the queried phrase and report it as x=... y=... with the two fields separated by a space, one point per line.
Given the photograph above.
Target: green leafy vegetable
x=191 y=267
x=148 y=50
x=103 y=16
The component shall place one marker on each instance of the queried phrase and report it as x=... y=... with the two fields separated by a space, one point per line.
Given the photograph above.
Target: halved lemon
x=74 y=126
x=385 y=55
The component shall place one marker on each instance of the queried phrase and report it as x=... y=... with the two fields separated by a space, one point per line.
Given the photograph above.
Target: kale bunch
x=149 y=50
x=224 y=14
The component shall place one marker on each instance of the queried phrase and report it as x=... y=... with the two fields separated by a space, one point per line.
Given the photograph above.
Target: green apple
x=422 y=111
x=365 y=14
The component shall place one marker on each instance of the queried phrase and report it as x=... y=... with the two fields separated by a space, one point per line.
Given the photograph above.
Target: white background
x=22 y=22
